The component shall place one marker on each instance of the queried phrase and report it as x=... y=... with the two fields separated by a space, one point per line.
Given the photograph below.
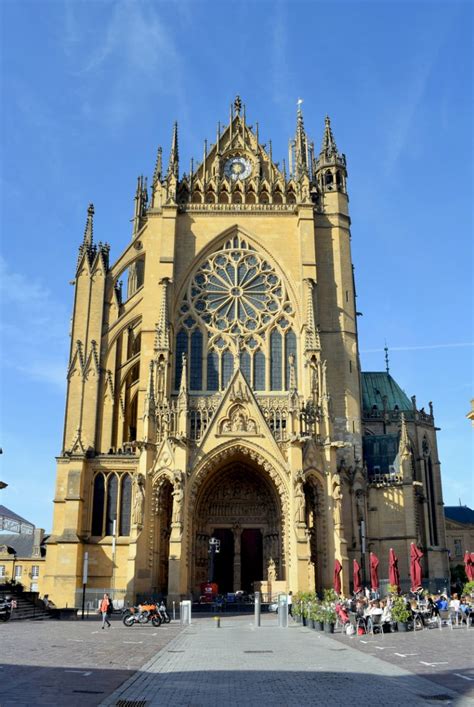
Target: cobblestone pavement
x=237 y=664
x=444 y=655
x=72 y=662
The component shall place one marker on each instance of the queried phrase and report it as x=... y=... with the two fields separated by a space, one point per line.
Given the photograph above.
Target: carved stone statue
x=299 y=499
x=138 y=500
x=337 y=499
x=178 y=496
x=271 y=570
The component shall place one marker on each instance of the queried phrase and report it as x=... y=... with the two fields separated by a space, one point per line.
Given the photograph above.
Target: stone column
x=237 y=531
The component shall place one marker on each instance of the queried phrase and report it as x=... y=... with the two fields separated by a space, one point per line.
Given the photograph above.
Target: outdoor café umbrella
x=356 y=577
x=337 y=576
x=415 y=567
x=469 y=566
x=393 y=571
x=374 y=572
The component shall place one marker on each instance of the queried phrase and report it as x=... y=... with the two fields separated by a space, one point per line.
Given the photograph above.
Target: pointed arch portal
x=238 y=504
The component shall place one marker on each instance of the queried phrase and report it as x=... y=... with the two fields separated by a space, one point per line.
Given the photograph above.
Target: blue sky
x=90 y=89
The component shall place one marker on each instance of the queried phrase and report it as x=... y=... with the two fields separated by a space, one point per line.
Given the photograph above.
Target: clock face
x=237 y=168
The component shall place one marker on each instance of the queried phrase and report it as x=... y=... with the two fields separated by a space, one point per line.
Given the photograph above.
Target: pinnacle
x=237 y=105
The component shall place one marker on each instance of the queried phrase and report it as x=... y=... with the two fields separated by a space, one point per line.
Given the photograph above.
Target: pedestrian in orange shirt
x=104 y=610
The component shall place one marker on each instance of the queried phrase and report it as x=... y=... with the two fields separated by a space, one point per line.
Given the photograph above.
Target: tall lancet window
x=235 y=304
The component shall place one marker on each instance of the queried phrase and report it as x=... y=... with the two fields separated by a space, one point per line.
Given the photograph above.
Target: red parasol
x=393 y=571
x=356 y=577
x=415 y=567
x=374 y=572
x=469 y=565
x=337 y=576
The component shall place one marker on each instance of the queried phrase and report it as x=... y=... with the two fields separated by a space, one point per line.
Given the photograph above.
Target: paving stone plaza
x=77 y=663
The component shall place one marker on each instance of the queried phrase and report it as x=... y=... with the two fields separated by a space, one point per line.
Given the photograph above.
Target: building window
x=112 y=493
x=125 y=504
x=35 y=570
x=235 y=294
x=2 y=571
x=98 y=505
x=458 y=547
x=18 y=570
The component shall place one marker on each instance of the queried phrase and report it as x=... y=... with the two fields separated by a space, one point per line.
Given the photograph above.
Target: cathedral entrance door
x=252 y=558
x=224 y=560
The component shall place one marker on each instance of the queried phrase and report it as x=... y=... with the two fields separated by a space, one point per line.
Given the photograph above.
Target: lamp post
x=214 y=548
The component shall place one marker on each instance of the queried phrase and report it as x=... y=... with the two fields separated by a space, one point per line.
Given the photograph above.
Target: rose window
x=235 y=308
x=236 y=292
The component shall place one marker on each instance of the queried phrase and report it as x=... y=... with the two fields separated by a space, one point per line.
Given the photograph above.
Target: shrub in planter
x=468 y=589
x=317 y=615
x=400 y=613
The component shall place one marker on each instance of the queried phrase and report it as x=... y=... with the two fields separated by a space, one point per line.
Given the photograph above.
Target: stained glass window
x=112 y=492
x=245 y=365
x=212 y=371
x=125 y=504
x=196 y=361
x=227 y=367
x=275 y=360
x=259 y=371
x=98 y=505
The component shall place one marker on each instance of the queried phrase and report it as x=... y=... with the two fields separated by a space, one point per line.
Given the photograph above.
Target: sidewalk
x=240 y=665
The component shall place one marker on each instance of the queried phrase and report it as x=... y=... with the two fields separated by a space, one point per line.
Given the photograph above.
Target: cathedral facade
x=214 y=390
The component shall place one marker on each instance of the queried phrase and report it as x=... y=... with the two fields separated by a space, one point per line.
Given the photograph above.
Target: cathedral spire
x=173 y=165
x=89 y=229
x=158 y=166
x=328 y=147
x=301 y=147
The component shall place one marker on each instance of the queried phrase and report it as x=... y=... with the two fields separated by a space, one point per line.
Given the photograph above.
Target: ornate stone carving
x=238 y=421
x=138 y=500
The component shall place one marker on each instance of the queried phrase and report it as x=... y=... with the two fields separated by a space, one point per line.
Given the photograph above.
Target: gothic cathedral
x=214 y=391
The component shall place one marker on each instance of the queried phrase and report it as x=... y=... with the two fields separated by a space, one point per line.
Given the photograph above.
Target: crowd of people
x=421 y=609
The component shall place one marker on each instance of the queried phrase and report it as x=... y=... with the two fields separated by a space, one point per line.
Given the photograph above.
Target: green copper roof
x=377 y=385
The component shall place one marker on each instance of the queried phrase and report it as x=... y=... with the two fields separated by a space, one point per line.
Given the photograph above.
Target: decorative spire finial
x=312 y=342
x=158 y=166
x=387 y=368
x=162 y=338
x=300 y=143
x=237 y=105
x=89 y=230
x=173 y=165
x=328 y=146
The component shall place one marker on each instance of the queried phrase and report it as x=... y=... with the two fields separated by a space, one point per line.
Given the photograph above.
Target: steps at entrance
x=26 y=608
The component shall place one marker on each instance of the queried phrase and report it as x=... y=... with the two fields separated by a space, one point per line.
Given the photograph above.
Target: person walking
x=104 y=610
x=290 y=603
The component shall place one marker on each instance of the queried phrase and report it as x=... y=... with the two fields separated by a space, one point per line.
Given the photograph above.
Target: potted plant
x=297 y=607
x=328 y=610
x=317 y=615
x=468 y=589
x=400 y=613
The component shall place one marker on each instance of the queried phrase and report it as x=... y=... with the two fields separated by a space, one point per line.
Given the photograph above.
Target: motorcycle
x=142 y=614
x=165 y=617
x=6 y=607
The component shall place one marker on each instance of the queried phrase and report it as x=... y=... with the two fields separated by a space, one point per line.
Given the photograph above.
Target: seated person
x=455 y=603
x=342 y=614
x=442 y=603
x=386 y=612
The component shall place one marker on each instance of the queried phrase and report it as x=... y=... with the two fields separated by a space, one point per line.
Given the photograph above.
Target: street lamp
x=214 y=548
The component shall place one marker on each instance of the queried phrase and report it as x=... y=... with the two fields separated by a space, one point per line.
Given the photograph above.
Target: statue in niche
x=300 y=499
x=238 y=422
x=337 y=499
x=359 y=497
x=178 y=496
x=271 y=570
x=138 y=500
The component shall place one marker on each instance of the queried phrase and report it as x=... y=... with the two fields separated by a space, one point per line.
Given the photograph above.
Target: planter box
x=402 y=626
x=328 y=628
x=319 y=625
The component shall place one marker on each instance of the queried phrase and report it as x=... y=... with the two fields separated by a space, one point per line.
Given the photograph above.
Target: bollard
x=217 y=619
x=174 y=611
x=258 y=609
x=283 y=611
x=185 y=612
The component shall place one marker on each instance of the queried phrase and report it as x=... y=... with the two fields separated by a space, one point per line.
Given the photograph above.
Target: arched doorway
x=163 y=505
x=238 y=504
